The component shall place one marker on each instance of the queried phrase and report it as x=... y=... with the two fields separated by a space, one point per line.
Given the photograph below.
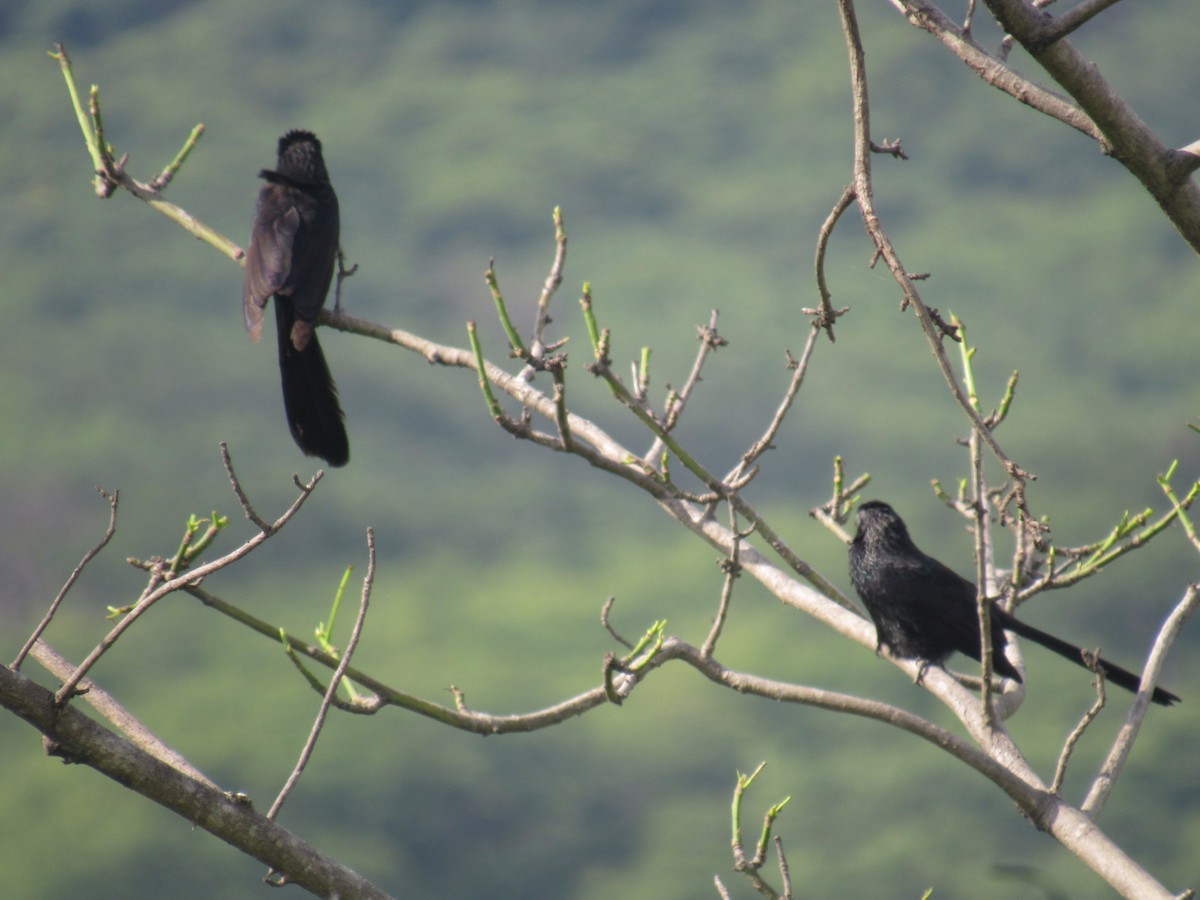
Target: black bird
x=924 y=610
x=292 y=252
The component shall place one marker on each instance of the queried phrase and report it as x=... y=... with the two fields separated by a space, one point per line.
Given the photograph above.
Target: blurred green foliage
x=695 y=149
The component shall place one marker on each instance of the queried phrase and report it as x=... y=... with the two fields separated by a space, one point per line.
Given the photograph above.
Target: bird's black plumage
x=293 y=248
x=925 y=610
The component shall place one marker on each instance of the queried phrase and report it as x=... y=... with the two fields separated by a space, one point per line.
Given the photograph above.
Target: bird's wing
x=933 y=608
x=269 y=259
x=952 y=600
x=314 y=251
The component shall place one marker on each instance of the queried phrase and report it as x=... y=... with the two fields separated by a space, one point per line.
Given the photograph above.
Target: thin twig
x=549 y=288
x=834 y=511
x=710 y=341
x=826 y=315
x=164 y=177
x=561 y=420
x=977 y=511
x=605 y=610
x=74 y=576
x=785 y=872
x=732 y=569
x=984 y=571
x=236 y=484
x=1114 y=763
x=334 y=681
x=514 y=339
x=742 y=473
x=1074 y=18
x=1181 y=507
x=1060 y=768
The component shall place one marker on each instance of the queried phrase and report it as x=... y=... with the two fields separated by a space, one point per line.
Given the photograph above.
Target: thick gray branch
x=80 y=739
x=1164 y=171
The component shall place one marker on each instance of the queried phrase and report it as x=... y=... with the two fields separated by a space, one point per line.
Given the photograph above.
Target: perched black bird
x=924 y=610
x=292 y=252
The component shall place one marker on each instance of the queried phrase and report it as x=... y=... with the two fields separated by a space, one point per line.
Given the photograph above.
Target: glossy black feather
x=292 y=254
x=925 y=610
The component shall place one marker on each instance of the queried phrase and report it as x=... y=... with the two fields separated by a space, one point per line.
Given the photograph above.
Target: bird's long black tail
x=310 y=396
x=1113 y=673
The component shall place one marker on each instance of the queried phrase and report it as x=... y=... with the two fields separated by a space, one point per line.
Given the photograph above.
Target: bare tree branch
x=1076 y=17
x=120 y=717
x=928 y=17
x=1163 y=171
x=79 y=739
x=1073 y=828
x=990 y=749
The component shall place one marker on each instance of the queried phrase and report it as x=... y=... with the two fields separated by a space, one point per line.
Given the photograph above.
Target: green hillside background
x=695 y=149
